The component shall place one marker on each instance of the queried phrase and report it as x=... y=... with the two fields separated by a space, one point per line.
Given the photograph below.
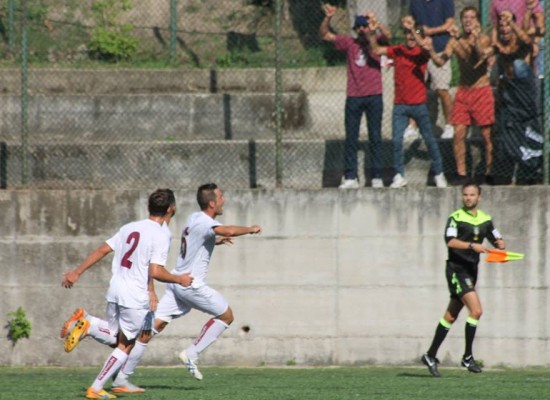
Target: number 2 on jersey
x=134 y=238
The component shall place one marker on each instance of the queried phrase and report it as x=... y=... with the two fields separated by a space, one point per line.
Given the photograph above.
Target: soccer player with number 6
x=140 y=254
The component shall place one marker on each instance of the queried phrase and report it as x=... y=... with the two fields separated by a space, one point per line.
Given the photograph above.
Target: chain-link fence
x=122 y=94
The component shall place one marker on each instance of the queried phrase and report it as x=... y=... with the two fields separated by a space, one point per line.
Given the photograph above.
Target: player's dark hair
x=159 y=202
x=470 y=8
x=473 y=184
x=206 y=194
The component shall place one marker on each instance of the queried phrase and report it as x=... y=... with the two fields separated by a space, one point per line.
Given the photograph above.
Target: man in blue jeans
x=410 y=62
x=364 y=94
x=436 y=17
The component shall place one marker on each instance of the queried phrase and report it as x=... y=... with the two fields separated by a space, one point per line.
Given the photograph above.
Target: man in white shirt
x=200 y=234
x=140 y=254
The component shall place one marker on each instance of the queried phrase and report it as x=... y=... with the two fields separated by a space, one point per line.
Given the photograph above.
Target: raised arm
x=324 y=30
x=507 y=18
x=383 y=29
x=371 y=36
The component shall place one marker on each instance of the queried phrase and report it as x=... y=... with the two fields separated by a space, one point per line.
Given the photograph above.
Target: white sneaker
x=440 y=180
x=377 y=183
x=448 y=132
x=411 y=133
x=349 y=184
x=398 y=181
x=191 y=365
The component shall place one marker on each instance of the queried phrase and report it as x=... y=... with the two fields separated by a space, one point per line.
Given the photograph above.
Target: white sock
x=132 y=362
x=112 y=365
x=209 y=333
x=99 y=330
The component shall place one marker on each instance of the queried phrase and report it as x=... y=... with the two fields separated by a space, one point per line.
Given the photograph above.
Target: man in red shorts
x=474 y=101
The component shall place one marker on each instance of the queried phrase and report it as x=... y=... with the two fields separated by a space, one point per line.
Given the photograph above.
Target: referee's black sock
x=440 y=334
x=470 y=333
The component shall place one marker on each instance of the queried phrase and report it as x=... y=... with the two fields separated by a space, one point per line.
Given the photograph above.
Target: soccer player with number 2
x=140 y=254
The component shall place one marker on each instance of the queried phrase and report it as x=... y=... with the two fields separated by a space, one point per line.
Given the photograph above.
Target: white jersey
x=197 y=244
x=136 y=245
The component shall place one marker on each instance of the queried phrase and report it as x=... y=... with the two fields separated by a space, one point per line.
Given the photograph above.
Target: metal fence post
x=11 y=28
x=173 y=29
x=278 y=97
x=24 y=95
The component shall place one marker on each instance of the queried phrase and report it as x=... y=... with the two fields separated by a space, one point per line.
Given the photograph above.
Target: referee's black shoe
x=431 y=363
x=470 y=363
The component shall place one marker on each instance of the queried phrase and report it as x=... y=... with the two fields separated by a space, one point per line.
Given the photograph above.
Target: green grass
x=286 y=383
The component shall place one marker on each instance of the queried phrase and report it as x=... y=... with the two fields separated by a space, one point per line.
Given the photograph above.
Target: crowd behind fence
x=122 y=94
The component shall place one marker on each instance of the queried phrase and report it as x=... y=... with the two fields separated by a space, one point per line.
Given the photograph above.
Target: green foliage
x=111 y=40
x=110 y=45
x=19 y=326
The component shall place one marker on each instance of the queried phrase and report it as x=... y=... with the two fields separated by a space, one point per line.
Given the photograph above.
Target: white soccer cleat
x=191 y=365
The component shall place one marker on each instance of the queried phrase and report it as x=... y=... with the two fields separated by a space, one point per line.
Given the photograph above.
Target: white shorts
x=127 y=320
x=440 y=76
x=178 y=301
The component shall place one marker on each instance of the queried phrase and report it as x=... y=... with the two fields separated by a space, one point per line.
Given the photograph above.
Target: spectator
x=474 y=102
x=364 y=94
x=410 y=62
x=528 y=14
x=520 y=140
x=436 y=17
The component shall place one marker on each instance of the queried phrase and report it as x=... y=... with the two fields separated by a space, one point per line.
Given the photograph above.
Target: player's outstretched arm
x=70 y=277
x=235 y=230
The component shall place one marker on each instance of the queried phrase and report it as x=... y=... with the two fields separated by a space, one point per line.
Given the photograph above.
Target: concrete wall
x=353 y=277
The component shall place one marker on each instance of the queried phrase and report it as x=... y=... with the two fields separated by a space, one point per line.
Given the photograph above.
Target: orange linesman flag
x=501 y=256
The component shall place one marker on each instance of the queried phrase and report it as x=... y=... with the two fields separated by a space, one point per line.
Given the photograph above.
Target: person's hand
x=479 y=248
x=499 y=244
x=453 y=31
x=186 y=280
x=228 y=241
x=69 y=279
x=531 y=4
x=407 y=22
x=427 y=43
x=373 y=22
x=329 y=10
x=256 y=229
x=505 y=17
x=476 y=30
x=153 y=301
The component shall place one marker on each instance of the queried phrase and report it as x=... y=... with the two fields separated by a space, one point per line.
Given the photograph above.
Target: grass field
x=286 y=383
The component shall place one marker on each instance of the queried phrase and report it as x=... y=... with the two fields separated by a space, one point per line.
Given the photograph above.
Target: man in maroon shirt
x=410 y=63
x=364 y=94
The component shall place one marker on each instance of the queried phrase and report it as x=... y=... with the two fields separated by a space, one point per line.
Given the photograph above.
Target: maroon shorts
x=473 y=106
